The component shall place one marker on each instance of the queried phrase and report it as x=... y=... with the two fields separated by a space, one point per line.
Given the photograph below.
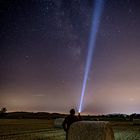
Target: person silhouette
x=70 y=119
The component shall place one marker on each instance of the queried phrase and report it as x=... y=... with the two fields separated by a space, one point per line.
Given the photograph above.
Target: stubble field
x=33 y=129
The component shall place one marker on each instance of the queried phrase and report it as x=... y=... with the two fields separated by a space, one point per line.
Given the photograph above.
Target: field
x=31 y=129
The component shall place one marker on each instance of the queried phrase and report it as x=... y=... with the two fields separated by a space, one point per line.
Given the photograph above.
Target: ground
x=34 y=129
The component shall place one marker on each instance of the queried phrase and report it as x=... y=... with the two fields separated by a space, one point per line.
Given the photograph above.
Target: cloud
x=38 y=95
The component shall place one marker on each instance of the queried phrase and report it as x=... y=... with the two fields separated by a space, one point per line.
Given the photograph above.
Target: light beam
x=91 y=45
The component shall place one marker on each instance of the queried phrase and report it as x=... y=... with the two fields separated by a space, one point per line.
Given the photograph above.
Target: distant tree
x=3 y=111
x=132 y=116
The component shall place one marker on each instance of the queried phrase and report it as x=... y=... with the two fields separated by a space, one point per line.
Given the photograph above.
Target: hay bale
x=136 y=121
x=58 y=122
x=91 y=130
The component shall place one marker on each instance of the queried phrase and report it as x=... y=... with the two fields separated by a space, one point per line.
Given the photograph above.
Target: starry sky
x=43 y=51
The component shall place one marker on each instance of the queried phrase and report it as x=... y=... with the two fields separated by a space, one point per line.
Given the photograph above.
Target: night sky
x=43 y=51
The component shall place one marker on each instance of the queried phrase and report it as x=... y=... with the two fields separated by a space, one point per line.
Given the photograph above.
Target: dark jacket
x=68 y=121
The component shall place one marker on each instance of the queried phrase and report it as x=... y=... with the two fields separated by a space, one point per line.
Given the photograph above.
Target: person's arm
x=79 y=117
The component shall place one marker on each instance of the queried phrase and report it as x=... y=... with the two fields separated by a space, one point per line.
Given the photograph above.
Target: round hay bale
x=91 y=130
x=136 y=121
x=58 y=122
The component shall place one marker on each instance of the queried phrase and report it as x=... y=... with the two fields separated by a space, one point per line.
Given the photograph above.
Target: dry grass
x=43 y=130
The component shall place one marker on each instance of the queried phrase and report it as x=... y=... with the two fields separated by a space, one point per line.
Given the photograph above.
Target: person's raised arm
x=79 y=117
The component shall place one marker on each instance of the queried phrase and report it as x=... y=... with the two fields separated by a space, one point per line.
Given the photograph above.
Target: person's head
x=72 y=111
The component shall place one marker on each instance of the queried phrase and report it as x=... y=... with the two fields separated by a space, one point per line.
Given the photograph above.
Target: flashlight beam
x=91 y=45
